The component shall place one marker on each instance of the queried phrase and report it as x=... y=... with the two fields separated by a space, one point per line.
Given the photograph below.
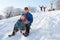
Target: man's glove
x=27 y=22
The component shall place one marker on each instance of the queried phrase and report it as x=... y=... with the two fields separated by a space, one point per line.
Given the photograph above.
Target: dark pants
x=15 y=30
x=27 y=28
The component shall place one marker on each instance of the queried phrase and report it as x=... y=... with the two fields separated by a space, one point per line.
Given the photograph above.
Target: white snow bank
x=46 y=26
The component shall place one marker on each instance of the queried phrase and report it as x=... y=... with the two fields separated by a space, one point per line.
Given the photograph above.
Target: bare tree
x=58 y=4
x=11 y=11
x=8 y=11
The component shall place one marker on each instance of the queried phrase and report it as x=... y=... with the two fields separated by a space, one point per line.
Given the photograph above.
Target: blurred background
x=11 y=8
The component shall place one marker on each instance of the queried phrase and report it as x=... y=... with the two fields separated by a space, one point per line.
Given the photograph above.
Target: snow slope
x=46 y=26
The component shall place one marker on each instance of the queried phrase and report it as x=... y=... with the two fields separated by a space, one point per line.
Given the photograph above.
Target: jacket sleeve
x=30 y=19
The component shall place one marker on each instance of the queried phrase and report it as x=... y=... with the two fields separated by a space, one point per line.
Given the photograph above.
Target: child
x=20 y=25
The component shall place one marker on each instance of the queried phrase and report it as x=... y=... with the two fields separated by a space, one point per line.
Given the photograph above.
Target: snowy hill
x=46 y=26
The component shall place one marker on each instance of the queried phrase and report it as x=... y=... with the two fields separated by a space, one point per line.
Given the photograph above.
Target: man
x=44 y=8
x=41 y=8
x=29 y=18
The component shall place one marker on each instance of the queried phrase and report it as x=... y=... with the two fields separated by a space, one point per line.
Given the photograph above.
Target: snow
x=2 y=15
x=46 y=26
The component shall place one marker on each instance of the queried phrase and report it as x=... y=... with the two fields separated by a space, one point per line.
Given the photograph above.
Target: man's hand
x=27 y=22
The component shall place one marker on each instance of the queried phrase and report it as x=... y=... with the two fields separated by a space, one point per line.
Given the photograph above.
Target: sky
x=24 y=3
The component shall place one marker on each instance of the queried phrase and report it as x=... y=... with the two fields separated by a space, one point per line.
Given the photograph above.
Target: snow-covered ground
x=46 y=26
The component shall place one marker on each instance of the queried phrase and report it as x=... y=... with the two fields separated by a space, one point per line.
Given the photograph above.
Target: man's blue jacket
x=29 y=17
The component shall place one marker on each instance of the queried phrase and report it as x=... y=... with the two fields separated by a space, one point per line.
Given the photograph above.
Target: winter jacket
x=20 y=25
x=29 y=17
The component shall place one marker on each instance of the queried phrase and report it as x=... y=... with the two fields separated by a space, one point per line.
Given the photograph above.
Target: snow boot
x=25 y=34
x=12 y=34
